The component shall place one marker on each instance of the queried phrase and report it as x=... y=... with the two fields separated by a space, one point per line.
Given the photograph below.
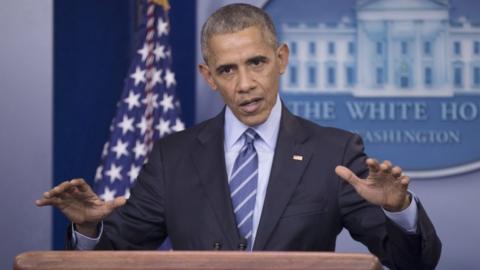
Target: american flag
x=147 y=110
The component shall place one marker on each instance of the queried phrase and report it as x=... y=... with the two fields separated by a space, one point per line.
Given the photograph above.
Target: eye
x=257 y=61
x=225 y=70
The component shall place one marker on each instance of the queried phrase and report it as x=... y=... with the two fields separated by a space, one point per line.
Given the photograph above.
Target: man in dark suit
x=255 y=177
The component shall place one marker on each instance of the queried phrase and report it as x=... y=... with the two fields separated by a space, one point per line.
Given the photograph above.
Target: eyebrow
x=257 y=58
x=261 y=58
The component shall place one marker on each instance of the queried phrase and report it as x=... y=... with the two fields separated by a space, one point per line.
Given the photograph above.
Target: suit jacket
x=182 y=192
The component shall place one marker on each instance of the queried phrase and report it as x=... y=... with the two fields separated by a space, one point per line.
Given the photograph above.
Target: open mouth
x=251 y=105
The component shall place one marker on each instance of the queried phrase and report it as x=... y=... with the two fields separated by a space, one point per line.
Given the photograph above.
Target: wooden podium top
x=198 y=260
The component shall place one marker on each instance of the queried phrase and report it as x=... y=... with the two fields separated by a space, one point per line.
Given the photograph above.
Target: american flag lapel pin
x=297 y=157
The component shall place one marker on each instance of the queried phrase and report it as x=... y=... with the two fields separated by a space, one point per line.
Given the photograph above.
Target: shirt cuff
x=82 y=242
x=407 y=218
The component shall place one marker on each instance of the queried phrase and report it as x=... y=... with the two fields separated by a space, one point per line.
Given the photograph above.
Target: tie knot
x=250 y=136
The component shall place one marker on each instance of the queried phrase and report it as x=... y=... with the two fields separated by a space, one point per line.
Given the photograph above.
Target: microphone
x=217 y=245
x=243 y=244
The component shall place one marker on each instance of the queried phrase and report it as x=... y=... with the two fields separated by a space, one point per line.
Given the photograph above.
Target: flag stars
x=167 y=102
x=105 y=149
x=133 y=172
x=162 y=27
x=168 y=53
x=159 y=52
x=144 y=51
x=132 y=100
x=151 y=99
x=138 y=76
x=98 y=173
x=156 y=77
x=163 y=127
x=142 y=125
x=108 y=195
x=140 y=149
x=170 y=78
x=120 y=149
x=114 y=173
x=126 y=124
x=179 y=125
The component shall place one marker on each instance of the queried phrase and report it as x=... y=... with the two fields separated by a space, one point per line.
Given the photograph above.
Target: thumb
x=117 y=202
x=347 y=175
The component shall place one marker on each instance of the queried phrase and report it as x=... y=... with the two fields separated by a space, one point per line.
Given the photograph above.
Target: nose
x=246 y=82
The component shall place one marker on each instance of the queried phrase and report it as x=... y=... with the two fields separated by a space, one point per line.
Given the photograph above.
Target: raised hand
x=80 y=204
x=385 y=185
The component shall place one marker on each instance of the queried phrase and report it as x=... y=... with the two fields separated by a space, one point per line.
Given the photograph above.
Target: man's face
x=246 y=70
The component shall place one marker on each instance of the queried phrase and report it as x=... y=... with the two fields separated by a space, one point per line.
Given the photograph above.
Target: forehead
x=238 y=46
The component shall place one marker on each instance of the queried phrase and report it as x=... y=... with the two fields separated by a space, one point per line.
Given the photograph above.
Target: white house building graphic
x=407 y=48
x=403 y=74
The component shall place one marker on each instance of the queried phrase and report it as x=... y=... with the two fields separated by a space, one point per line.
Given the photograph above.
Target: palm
x=83 y=207
x=384 y=186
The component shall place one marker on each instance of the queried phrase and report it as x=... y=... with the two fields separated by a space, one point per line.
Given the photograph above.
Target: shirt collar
x=268 y=131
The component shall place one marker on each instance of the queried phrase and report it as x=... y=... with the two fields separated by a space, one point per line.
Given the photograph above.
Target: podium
x=193 y=260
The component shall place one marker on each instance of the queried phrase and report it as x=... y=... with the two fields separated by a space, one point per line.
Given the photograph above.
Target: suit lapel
x=209 y=159
x=287 y=169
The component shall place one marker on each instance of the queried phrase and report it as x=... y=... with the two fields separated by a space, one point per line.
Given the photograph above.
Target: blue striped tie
x=243 y=186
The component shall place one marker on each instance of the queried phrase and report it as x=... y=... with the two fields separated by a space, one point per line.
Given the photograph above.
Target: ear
x=282 y=55
x=207 y=75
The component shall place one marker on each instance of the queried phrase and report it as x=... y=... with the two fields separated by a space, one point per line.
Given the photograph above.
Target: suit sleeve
x=140 y=223
x=368 y=224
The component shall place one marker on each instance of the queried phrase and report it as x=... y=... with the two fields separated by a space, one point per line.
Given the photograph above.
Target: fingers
x=347 y=175
x=386 y=167
x=405 y=180
x=397 y=172
x=55 y=201
x=373 y=165
x=67 y=186
x=54 y=196
x=44 y=202
x=383 y=170
x=81 y=185
x=57 y=190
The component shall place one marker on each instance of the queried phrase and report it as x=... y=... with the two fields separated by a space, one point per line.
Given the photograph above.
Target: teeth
x=250 y=106
x=249 y=102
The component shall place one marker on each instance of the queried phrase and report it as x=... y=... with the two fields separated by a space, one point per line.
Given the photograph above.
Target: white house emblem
x=404 y=74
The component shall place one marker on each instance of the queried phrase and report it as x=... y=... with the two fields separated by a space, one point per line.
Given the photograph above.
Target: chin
x=254 y=120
